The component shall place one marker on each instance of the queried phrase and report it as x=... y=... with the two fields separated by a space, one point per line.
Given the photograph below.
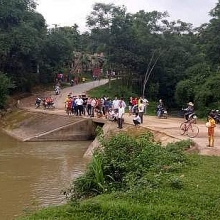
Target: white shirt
x=137 y=118
x=115 y=104
x=79 y=101
x=121 y=111
x=123 y=103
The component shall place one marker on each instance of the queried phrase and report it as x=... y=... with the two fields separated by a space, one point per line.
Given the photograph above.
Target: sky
x=70 y=12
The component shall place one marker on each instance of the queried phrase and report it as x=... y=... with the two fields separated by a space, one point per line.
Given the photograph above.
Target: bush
x=125 y=161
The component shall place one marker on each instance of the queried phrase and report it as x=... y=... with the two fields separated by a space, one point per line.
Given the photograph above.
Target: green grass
x=186 y=188
x=198 y=199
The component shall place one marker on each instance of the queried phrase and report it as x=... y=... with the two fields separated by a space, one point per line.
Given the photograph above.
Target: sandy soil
x=167 y=129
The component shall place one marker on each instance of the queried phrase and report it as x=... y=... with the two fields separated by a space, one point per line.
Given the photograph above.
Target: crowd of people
x=113 y=110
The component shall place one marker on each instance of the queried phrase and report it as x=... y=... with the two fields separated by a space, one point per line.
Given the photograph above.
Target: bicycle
x=189 y=128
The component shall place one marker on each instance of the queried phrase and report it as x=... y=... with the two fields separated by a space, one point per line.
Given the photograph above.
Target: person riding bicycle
x=189 y=111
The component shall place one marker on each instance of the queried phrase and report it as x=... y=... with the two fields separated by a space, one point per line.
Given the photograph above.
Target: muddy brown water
x=33 y=174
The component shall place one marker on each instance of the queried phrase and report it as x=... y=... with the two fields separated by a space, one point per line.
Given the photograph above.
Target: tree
x=5 y=85
x=184 y=92
x=21 y=36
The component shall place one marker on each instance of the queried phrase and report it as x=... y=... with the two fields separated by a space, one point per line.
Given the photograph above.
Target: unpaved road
x=168 y=126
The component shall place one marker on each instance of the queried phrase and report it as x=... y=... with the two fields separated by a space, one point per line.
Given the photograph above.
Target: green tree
x=184 y=92
x=21 y=36
x=57 y=51
x=5 y=85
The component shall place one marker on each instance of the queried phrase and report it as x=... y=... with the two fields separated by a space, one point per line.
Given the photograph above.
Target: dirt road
x=169 y=126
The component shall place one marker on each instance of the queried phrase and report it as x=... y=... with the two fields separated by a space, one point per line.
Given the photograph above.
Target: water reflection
x=34 y=174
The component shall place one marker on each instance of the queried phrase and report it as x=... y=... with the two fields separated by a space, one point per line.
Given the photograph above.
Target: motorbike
x=48 y=103
x=216 y=115
x=57 y=90
x=71 y=83
x=162 y=113
x=37 y=103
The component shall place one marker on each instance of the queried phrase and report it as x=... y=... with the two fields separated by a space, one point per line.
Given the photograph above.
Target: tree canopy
x=156 y=57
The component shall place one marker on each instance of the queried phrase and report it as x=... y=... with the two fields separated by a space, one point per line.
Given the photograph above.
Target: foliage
x=5 y=85
x=124 y=162
x=184 y=92
x=186 y=58
x=116 y=90
x=191 y=193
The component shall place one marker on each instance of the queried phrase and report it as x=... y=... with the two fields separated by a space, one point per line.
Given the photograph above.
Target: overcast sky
x=68 y=12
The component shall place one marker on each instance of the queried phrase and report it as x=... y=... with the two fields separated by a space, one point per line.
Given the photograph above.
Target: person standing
x=115 y=104
x=130 y=105
x=121 y=112
x=93 y=105
x=146 y=103
x=141 y=110
x=89 y=106
x=211 y=129
x=79 y=106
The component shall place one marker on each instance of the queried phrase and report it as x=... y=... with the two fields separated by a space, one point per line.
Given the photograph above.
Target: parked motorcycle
x=216 y=115
x=57 y=90
x=37 y=102
x=71 y=82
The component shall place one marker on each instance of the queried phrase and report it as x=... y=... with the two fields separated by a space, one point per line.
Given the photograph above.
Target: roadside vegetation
x=133 y=177
x=153 y=56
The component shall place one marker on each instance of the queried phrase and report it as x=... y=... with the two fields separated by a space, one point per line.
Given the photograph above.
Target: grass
x=191 y=192
x=12 y=120
x=198 y=199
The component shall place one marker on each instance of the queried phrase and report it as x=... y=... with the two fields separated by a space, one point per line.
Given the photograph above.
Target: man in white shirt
x=121 y=112
x=79 y=106
x=93 y=104
x=141 y=110
x=146 y=103
x=115 y=103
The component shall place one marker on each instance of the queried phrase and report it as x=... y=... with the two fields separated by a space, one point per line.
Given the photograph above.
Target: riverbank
x=135 y=178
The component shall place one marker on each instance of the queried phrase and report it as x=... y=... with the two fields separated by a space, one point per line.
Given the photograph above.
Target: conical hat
x=191 y=104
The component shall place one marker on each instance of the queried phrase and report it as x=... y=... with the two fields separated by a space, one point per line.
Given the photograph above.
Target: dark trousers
x=120 y=121
x=136 y=122
x=141 y=116
x=79 y=110
x=89 y=109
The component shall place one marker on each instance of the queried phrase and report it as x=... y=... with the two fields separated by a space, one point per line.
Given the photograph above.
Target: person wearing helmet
x=160 y=108
x=189 y=110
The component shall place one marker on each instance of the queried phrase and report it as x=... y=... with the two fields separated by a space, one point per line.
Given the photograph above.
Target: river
x=33 y=174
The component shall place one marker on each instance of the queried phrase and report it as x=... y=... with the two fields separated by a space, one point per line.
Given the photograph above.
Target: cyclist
x=189 y=111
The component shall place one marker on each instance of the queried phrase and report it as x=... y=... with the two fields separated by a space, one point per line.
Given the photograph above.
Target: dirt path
x=170 y=126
